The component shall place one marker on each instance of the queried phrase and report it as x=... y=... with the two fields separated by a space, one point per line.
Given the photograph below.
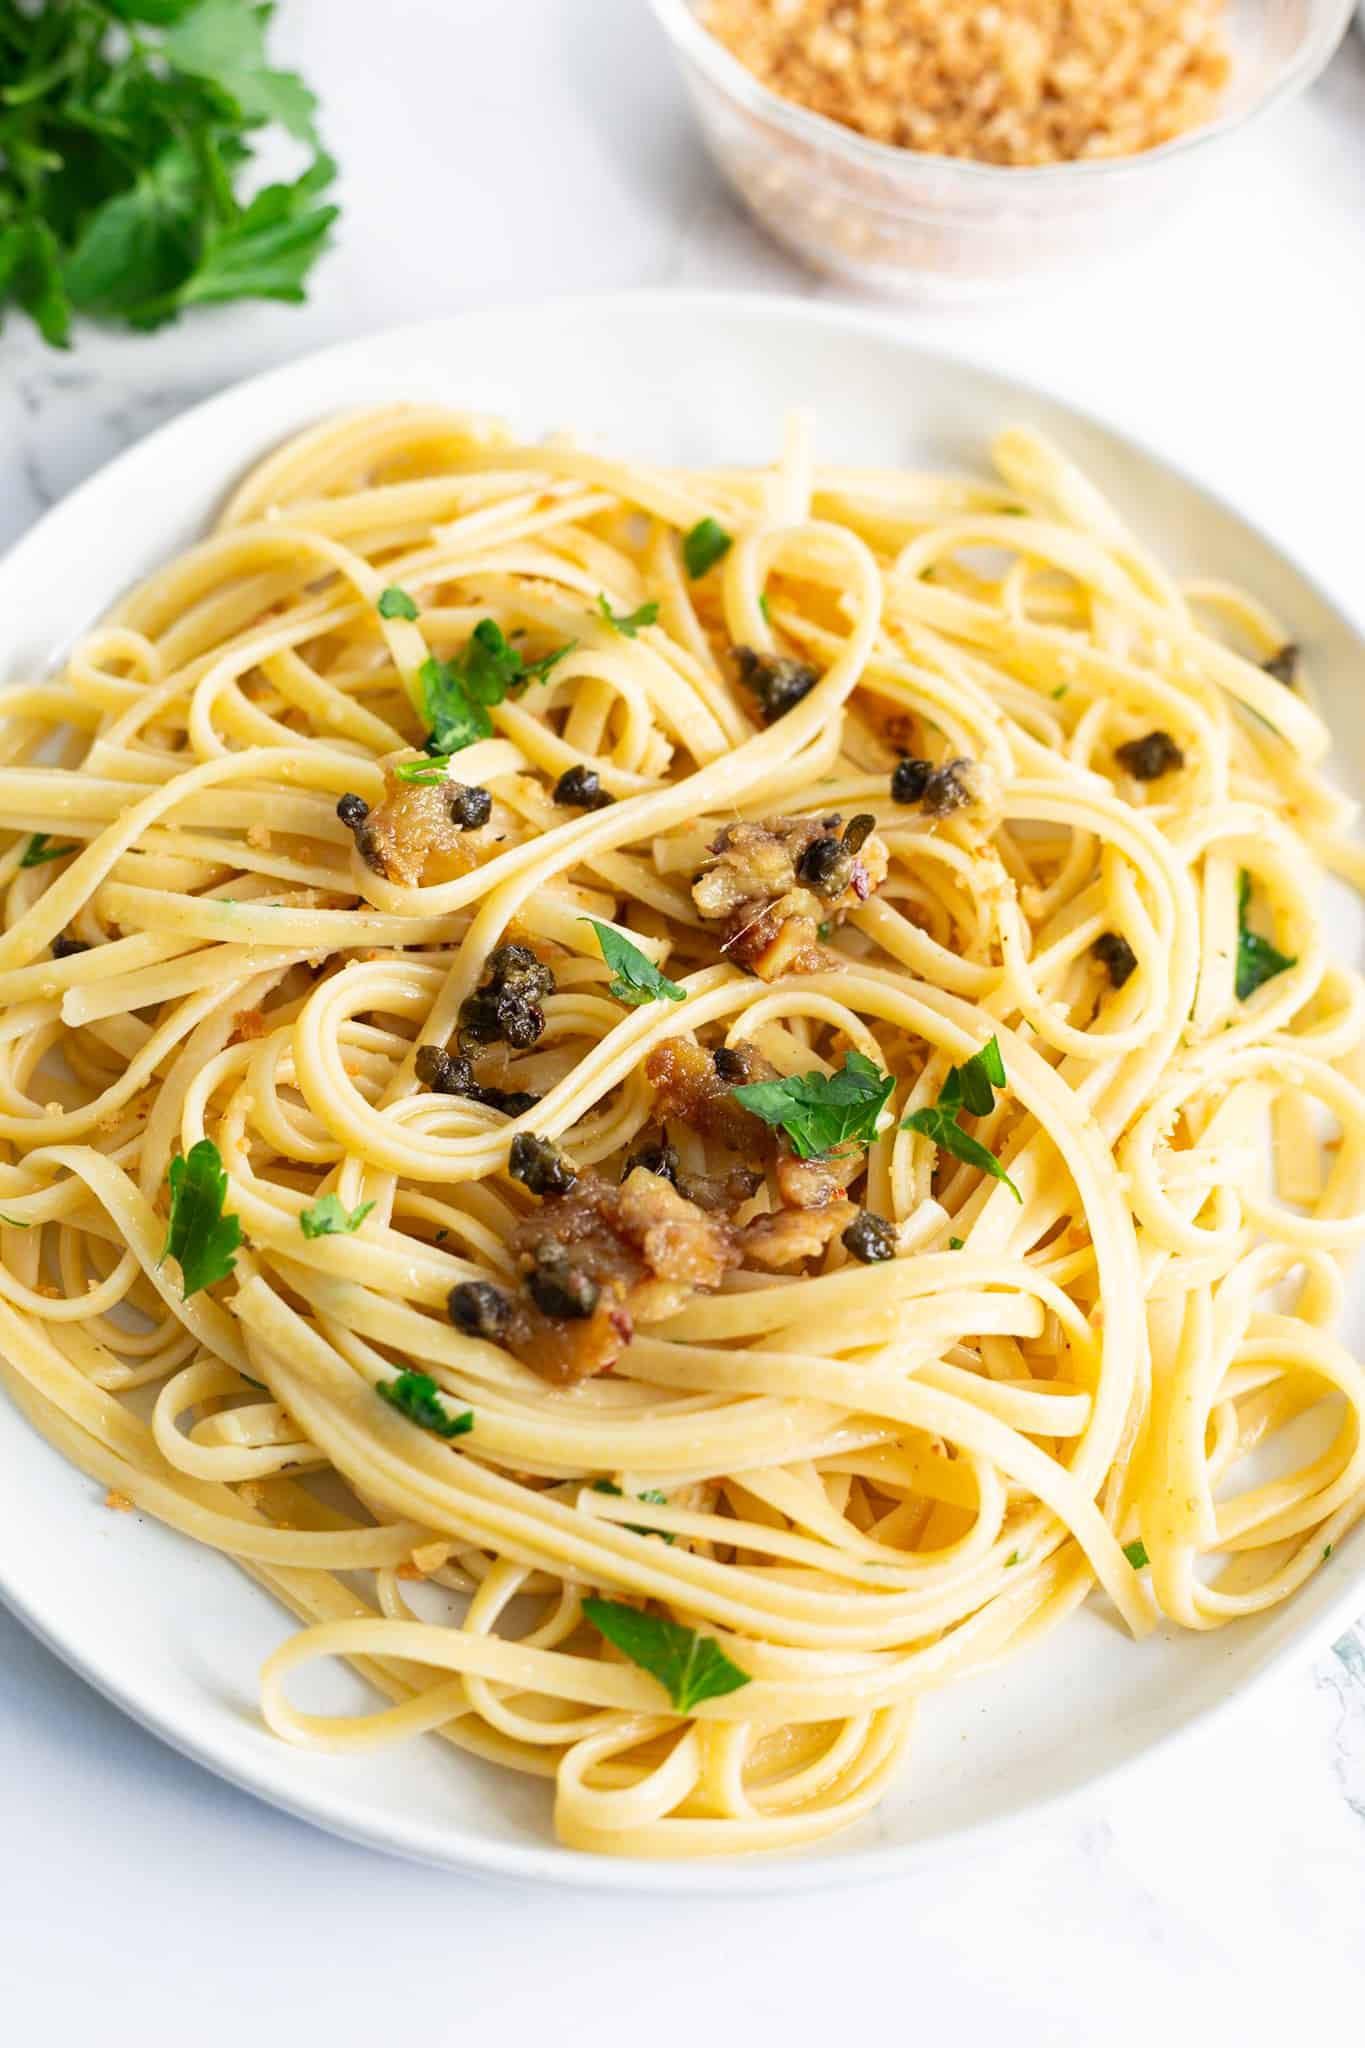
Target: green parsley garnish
x=396 y=604
x=327 y=1217
x=1136 y=1554
x=1060 y=691
x=416 y=1395
x=705 y=545
x=1257 y=960
x=690 y=1667
x=634 y=979
x=14 y=1222
x=969 y=1087
x=1326 y=1551
x=824 y=928
x=651 y=1494
x=38 y=850
x=820 y=1111
x=763 y=606
x=955 y=1244
x=628 y=623
x=425 y=772
x=126 y=132
x=1013 y=1558
x=199 y=1237
x=456 y=694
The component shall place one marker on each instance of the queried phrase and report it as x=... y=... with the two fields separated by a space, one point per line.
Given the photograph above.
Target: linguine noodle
x=852 y=1474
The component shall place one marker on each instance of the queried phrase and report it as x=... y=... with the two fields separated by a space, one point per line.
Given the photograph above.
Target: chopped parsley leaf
x=1327 y=1549
x=327 y=1217
x=690 y=1667
x=651 y=1494
x=1060 y=691
x=14 y=1222
x=38 y=850
x=820 y=1111
x=955 y=1244
x=628 y=624
x=1258 y=960
x=424 y=772
x=199 y=1237
x=704 y=545
x=763 y=606
x=634 y=979
x=969 y=1087
x=1013 y=1558
x=416 y=1395
x=456 y=694
x=1136 y=1554
x=396 y=604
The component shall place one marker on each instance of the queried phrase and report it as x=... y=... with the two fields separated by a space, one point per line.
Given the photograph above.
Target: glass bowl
x=944 y=228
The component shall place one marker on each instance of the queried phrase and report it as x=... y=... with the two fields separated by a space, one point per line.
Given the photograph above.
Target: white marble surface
x=502 y=148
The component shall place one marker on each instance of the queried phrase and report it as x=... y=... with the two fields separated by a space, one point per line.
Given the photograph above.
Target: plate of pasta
x=682 y=1118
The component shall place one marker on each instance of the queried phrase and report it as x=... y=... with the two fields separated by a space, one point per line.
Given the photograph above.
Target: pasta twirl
x=680 y=1105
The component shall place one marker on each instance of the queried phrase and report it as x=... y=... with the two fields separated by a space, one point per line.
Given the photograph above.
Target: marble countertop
x=494 y=151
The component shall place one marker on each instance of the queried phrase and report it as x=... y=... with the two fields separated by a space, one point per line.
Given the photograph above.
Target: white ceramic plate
x=174 y=1634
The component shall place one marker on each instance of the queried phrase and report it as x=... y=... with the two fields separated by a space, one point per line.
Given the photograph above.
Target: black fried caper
x=870 y=1238
x=1116 y=956
x=1283 y=664
x=516 y=968
x=661 y=1159
x=559 y=1288
x=540 y=1166
x=469 y=805
x=354 y=813
x=1154 y=755
x=582 y=788
x=948 y=788
x=511 y=1101
x=777 y=680
x=909 y=780
x=64 y=948
x=733 y=1063
x=505 y=1006
x=479 y=1309
x=443 y=1072
x=858 y=831
x=826 y=866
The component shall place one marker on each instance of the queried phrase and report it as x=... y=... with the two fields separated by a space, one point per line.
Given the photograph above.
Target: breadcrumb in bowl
x=908 y=204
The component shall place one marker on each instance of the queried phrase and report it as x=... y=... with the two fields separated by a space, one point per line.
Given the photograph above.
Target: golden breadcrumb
x=1012 y=82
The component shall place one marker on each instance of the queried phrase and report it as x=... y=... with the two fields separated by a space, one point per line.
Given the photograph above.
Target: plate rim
x=458 y=1848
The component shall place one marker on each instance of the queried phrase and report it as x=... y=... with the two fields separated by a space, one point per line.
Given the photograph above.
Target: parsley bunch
x=124 y=134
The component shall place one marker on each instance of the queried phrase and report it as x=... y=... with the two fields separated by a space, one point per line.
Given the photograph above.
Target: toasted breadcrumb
x=119 y=1502
x=1013 y=82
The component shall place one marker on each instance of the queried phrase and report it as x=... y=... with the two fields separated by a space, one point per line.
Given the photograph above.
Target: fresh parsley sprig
x=329 y=1217
x=704 y=545
x=634 y=979
x=651 y=1496
x=821 y=1111
x=40 y=850
x=1257 y=960
x=690 y=1667
x=126 y=129
x=970 y=1087
x=627 y=624
x=416 y=1395
x=199 y=1236
x=395 y=603
x=456 y=694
